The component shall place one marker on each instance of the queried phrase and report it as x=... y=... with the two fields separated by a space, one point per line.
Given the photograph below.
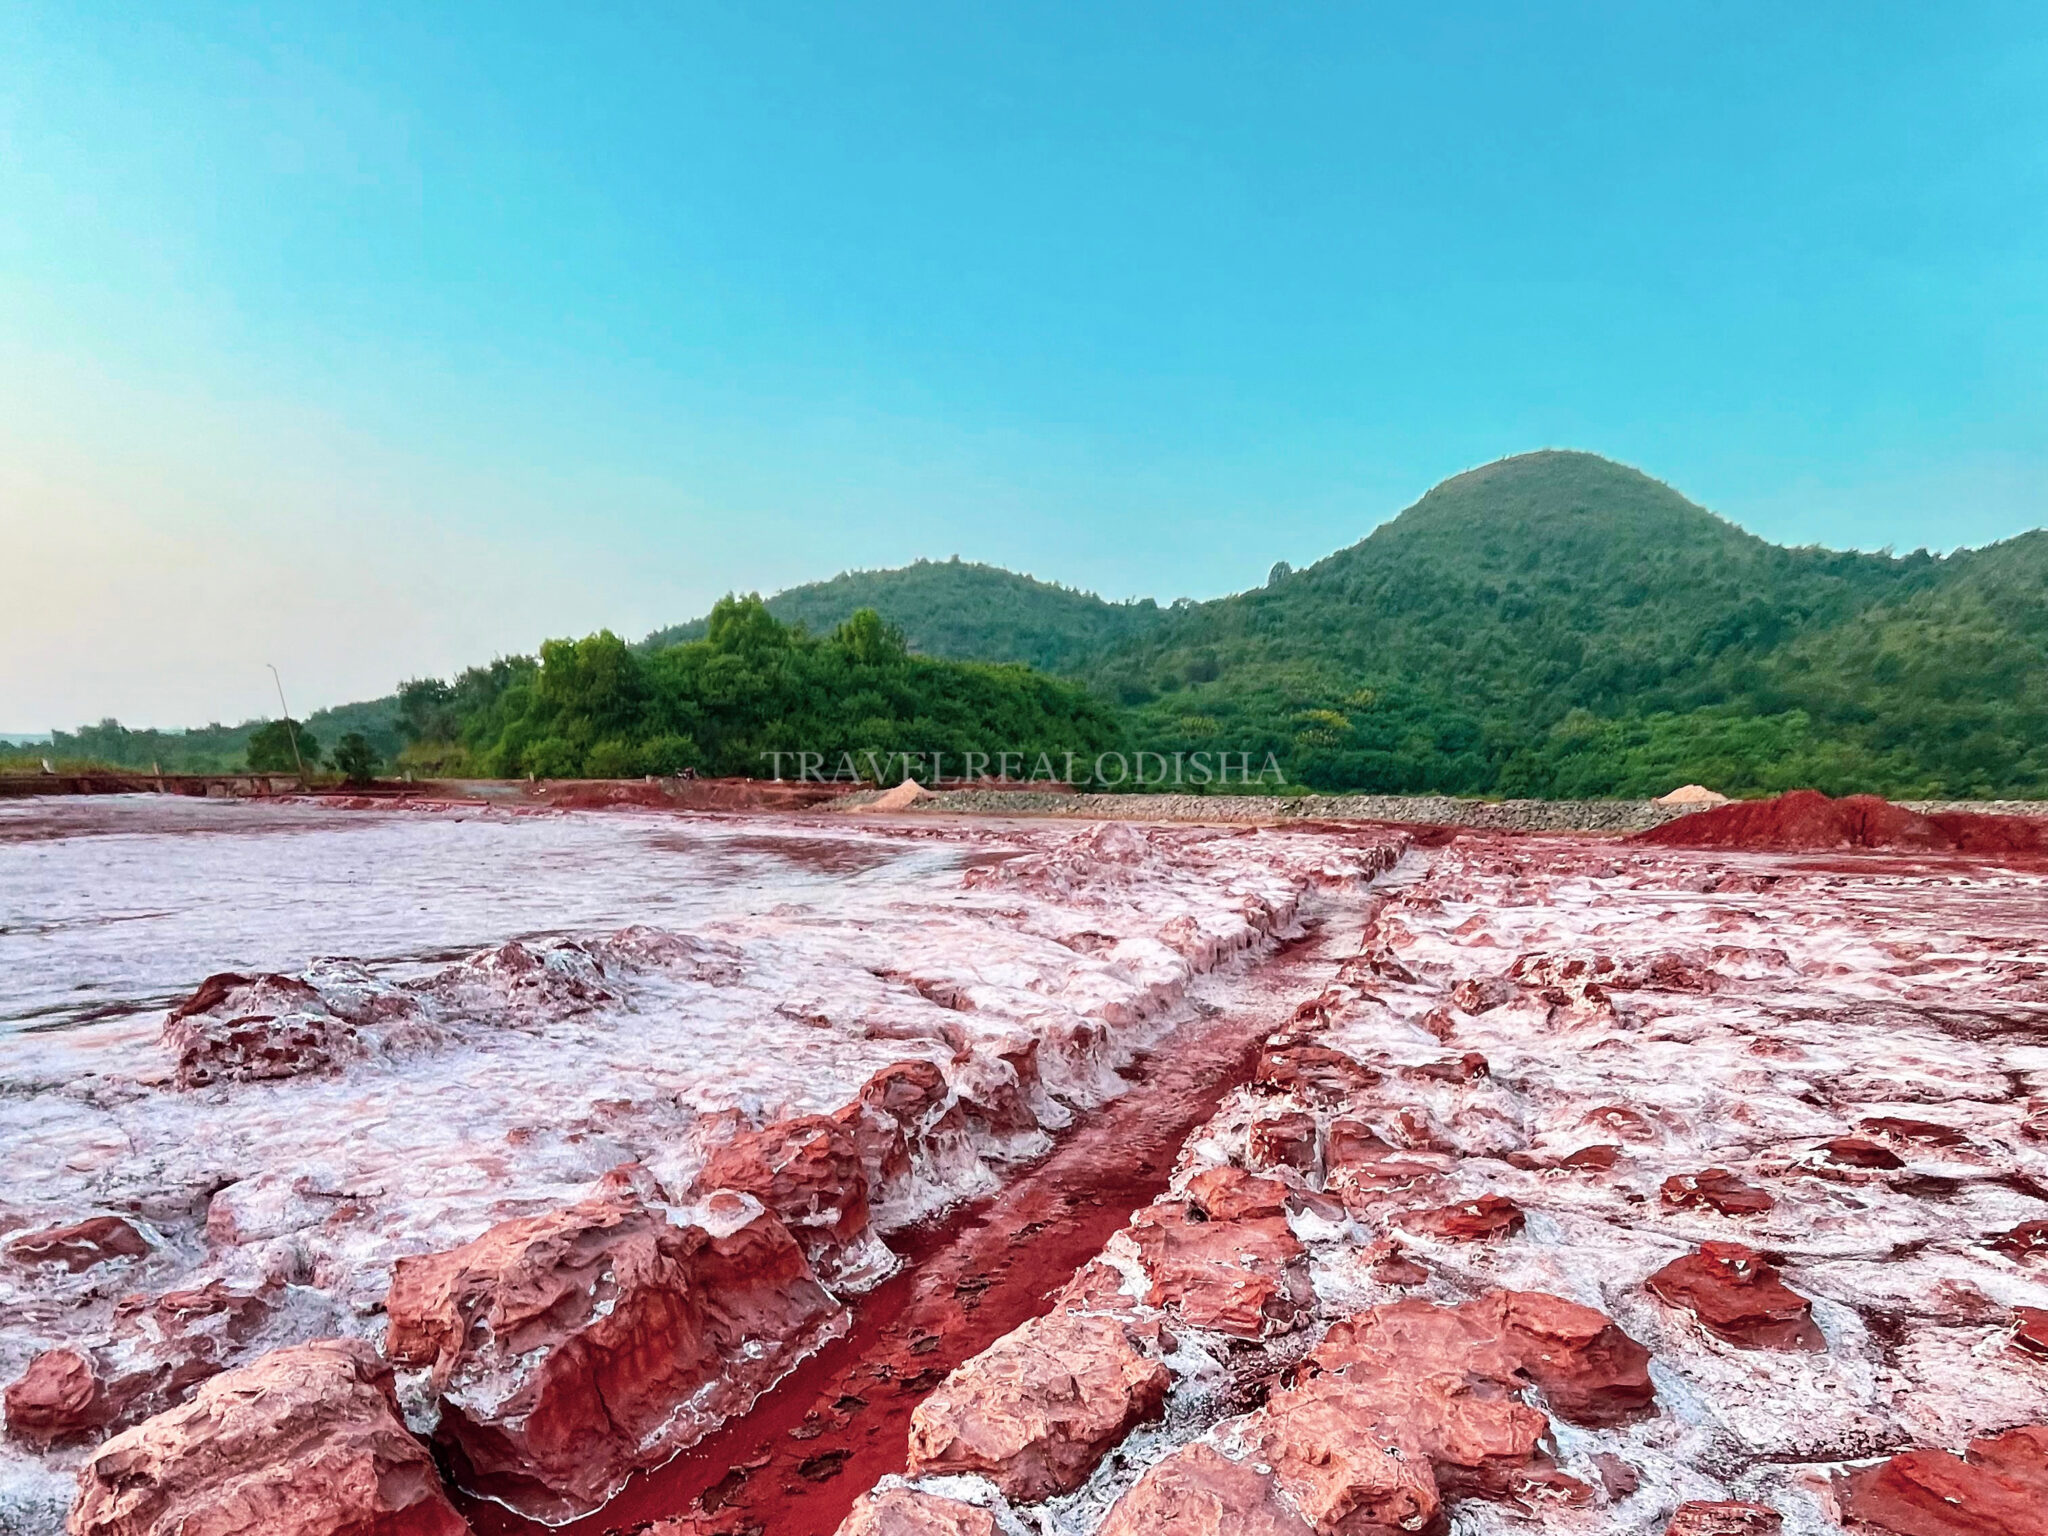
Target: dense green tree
x=271 y=747
x=355 y=759
x=754 y=688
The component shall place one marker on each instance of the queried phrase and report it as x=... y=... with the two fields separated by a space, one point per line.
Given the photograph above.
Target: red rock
x=305 y=1442
x=2024 y=1240
x=1859 y=1152
x=1707 y=1517
x=1617 y=1477
x=1196 y=1491
x=1738 y=1297
x=2000 y=1488
x=1595 y=1157
x=251 y=1028
x=899 y=1110
x=908 y=1512
x=1393 y=1267
x=1096 y=1287
x=1394 y=1181
x=167 y=1345
x=1590 y=1371
x=1247 y=1277
x=1629 y=1124
x=1036 y=1410
x=2031 y=1336
x=80 y=1245
x=1475 y=996
x=1353 y=1143
x=1489 y=1216
x=1461 y=1069
x=1231 y=1194
x=56 y=1398
x=1283 y=1141
x=1716 y=1189
x=572 y=1348
x=1913 y=1130
x=809 y=1173
x=1415 y=1405
x=1351 y=1462
x=1315 y=1072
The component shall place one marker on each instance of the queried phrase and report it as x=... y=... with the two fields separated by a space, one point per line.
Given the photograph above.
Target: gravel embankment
x=1621 y=816
x=1433 y=810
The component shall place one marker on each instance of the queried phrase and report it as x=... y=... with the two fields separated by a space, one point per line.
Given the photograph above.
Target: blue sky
x=372 y=341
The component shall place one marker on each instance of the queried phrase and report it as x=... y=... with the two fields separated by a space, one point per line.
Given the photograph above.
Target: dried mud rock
x=57 y=1398
x=1036 y=1410
x=1471 y=1221
x=1999 y=1487
x=1739 y=1298
x=161 y=1347
x=809 y=1173
x=1591 y=1372
x=2031 y=1336
x=1197 y=1491
x=80 y=1245
x=908 y=1512
x=1314 y=1072
x=251 y=1028
x=1230 y=1194
x=305 y=1442
x=1728 y=1517
x=572 y=1348
x=1349 y=1459
x=1246 y=1276
x=2024 y=1240
x=1715 y=1189
x=1283 y=1141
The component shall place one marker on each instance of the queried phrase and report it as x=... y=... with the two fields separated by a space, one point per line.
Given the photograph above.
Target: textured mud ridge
x=583 y=1198
x=800 y=1458
x=1623 y=1189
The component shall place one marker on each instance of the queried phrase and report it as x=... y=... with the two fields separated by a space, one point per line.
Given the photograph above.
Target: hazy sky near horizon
x=376 y=340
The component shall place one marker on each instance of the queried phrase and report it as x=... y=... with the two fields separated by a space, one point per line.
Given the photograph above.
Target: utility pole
x=290 y=730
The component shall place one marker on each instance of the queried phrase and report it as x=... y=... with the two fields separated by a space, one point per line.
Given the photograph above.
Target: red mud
x=841 y=1420
x=1807 y=819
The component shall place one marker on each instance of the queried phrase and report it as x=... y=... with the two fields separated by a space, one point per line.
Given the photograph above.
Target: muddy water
x=794 y=1466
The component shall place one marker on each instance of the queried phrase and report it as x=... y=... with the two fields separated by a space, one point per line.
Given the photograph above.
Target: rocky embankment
x=1620 y=1188
x=545 y=1215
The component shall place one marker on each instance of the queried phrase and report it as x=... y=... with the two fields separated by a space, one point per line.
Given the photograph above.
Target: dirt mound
x=1693 y=794
x=1808 y=819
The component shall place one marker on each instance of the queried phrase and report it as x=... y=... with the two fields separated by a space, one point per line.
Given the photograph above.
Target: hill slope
x=1557 y=623
x=960 y=611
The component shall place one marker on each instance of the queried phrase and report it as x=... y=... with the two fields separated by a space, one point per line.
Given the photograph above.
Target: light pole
x=291 y=731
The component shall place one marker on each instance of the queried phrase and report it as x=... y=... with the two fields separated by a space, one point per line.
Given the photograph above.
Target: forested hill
x=1561 y=624
x=961 y=611
x=1554 y=624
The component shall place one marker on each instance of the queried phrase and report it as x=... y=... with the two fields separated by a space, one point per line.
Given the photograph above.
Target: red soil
x=1807 y=819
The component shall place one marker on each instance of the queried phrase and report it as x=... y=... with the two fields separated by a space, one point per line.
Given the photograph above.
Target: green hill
x=1560 y=624
x=960 y=611
x=1552 y=624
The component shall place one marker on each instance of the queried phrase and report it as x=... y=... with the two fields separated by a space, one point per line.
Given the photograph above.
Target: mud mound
x=1808 y=819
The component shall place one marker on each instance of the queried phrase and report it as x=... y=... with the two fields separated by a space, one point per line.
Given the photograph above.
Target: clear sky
x=375 y=340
